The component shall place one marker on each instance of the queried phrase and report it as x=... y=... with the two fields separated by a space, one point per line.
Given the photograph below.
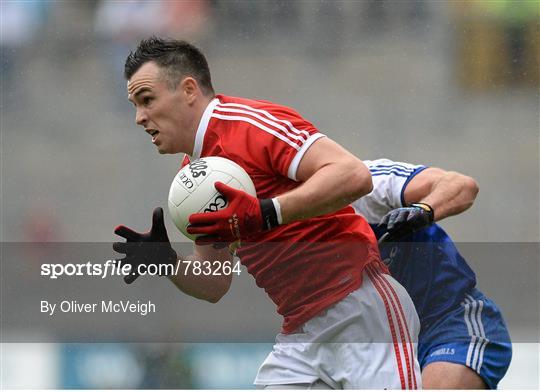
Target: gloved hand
x=152 y=247
x=406 y=220
x=244 y=216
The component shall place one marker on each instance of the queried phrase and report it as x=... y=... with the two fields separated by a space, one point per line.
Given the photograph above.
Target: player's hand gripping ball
x=193 y=191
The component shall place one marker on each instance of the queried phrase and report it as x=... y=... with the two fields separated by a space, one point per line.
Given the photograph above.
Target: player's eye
x=147 y=100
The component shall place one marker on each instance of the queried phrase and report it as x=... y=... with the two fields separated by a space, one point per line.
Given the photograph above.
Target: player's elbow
x=468 y=188
x=218 y=291
x=214 y=299
x=471 y=187
x=361 y=181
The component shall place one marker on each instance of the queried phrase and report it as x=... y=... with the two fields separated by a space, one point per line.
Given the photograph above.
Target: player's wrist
x=426 y=207
x=277 y=206
x=271 y=213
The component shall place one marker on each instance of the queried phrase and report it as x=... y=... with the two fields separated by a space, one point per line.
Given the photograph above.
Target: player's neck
x=199 y=107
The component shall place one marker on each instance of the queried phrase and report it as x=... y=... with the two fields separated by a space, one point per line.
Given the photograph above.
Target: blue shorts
x=473 y=334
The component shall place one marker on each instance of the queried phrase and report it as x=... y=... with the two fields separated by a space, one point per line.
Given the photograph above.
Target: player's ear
x=189 y=88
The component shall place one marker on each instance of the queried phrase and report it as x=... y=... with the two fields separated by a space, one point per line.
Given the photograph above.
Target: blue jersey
x=458 y=323
x=426 y=263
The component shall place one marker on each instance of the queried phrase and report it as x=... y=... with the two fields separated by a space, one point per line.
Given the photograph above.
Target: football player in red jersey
x=300 y=239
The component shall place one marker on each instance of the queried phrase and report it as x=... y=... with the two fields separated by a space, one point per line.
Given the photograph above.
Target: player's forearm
x=208 y=287
x=452 y=194
x=331 y=188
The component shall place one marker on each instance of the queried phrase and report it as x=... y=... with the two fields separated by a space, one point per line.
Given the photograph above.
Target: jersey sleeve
x=286 y=137
x=271 y=137
x=389 y=182
x=289 y=145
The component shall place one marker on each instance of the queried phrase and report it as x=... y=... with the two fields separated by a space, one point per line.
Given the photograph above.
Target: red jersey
x=304 y=266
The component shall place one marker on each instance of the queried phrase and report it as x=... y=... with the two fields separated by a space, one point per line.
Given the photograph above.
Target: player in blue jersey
x=463 y=341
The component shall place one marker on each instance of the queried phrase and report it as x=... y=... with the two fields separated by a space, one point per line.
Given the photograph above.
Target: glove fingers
x=414 y=215
x=384 y=238
x=158 y=225
x=385 y=219
x=201 y=229
x=203 y=218
x=400 y=219
x=128 y=260
x=118 y=262
x=120 y=247
x=392 y=218
x=129 y=279
x=127 y=233
x=227 y=191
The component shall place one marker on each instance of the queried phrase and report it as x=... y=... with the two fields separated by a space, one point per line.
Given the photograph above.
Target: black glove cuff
x=269 y=214
x=427 y=208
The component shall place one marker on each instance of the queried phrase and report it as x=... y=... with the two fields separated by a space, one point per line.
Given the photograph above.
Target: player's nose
x=141 y=118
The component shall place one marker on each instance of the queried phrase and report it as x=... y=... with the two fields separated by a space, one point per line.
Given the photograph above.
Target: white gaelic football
x=193 y=190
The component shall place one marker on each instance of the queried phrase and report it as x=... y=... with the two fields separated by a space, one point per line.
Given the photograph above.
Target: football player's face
x=164 y=113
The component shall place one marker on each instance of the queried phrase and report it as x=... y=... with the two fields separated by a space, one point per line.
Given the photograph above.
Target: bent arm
x=332 y=178
x=210 y=287
x=447 y=192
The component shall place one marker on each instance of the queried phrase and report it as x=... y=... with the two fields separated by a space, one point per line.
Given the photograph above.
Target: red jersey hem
x=356 y=284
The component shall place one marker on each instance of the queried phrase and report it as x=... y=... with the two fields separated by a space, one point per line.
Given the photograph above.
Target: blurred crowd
x=510 y=26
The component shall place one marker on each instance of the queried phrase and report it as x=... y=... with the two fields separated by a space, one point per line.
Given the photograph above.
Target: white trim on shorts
x=404 y=352
x=473 y=319
x=375 y=327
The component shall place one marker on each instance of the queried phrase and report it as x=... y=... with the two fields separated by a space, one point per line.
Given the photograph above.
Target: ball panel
x=207 y=192
x=234 y=183
x=243 y=181
x=177 y=193
x=193 y=188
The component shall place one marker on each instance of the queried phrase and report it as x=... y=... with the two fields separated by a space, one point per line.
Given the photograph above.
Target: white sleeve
x=389 y=182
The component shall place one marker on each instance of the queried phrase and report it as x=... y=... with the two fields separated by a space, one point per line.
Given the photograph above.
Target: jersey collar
x=201 y=130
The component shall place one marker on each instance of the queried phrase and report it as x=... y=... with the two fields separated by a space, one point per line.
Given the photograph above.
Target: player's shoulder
x=258 y=119
x=254 y=106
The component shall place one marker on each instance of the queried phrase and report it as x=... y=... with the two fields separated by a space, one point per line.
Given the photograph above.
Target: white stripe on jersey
x=388 y=170
x=258 y=125
x=391 y=165
x=263 y=119
x=270 y=116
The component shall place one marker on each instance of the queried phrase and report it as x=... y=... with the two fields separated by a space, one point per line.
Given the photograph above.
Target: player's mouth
x=154 y=133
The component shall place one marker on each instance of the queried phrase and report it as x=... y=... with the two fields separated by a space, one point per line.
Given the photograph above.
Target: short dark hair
x=176 y=58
